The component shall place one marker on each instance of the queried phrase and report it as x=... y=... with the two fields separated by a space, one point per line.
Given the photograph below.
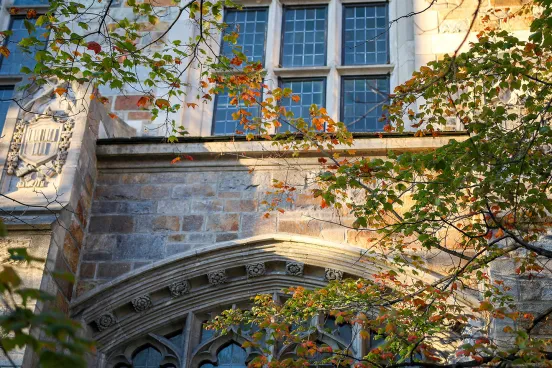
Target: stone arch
x=223 y=273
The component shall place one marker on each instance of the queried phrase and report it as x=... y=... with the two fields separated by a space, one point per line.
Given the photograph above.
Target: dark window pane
x=224 y=123
x=6 y=92
x=30 y=2
x=304 y=37
x=18 y=58
x=251 y=26
x=365 y=35
x=148 y=357
x=310 y=92
x=232 y=356
x=362 y=103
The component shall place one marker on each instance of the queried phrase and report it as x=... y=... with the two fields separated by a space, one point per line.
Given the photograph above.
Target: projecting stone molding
x=255 y=269
x=142 y=303
x=179 y=288
x=105 y=321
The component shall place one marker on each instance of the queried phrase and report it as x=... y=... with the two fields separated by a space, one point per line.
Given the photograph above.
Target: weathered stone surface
x=136 y=207
x=112 y=270
x=136 y=247
x=87 y=270
x=223 y=222
x=192 y=222
x=166 y=223
x=193 y=190
x=173 y=207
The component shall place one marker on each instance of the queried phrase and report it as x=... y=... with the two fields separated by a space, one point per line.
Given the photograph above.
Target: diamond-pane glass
x=6 y=92
x=365 y=35
x=17 y=58
x=363 y=99
x=224 y=123
x=304 y=37
x=310 y=92
x=250 y=24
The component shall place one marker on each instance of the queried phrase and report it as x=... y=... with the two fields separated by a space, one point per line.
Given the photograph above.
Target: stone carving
x=217 y=277
x=105 y=321
x=255 y=269
x=41 y=138
x=142 y=303
x=179 y=288
x=331 y=274
x=294 y=268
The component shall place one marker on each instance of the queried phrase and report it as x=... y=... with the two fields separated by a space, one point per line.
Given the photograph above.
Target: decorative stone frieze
x=105 y=321
x=142 y=303
x=179 y=288
x=331 y=274
x=255 y=269
x=294 y=268
x=217 y=277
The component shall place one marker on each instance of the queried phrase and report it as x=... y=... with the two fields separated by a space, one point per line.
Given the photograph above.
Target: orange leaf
x=112 y=116
x=4 y=51
x=192 y=105
x=175 y=160
x=204 y=84
x=295 y=98
x=31 y=14
x=60 y=90
x=143 y=101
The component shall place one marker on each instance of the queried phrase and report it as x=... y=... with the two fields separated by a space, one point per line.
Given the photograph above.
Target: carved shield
x=40 y=143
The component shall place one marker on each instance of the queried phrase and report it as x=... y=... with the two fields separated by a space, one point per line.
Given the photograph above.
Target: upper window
x=304 y=37
x=310 y=91
x=362 y=102
x=31 y=2
x=231 y=356
x=18 y=58
x=6 y=93
x=365 y=34
x=250 y=24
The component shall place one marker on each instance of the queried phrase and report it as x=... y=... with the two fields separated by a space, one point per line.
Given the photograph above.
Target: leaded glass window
x=18 y=58
x=365 y=34
x=223 y=121
x=6 y=92
x=147 y=357
x=31 y=2
x=251 y=26
x=310 y=91
x=362 y=103
x=230 y=356
x=304 y=36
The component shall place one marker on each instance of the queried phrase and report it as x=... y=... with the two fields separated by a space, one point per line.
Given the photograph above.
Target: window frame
x=343 y=21
x=342 y=94
x=245 y=9
x=214 y=117
x=282 y=80
x=283 y=31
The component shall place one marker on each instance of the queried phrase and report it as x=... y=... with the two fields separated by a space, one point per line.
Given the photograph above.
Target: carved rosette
x=331 y=274
x=179 y=288
x=255 y=269
x=294 y=268
x=217 y=277
x=142 y=303
x=105 y=321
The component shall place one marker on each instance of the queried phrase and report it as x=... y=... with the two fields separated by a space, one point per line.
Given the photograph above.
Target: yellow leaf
x=162 y=103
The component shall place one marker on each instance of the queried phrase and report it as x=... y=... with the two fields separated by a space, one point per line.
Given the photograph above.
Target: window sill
x=307 y=71
x=10 y=79
x=377 y=69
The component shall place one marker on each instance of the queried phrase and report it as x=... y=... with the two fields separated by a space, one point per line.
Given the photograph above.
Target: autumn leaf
x=162 y=103
x=112 y=116
x=175 y=160
x=191 y=104
x=94 y=46
x=295 y=98
x=4 y=51
x=60 y=91
x=31 y=14
x=143 y=101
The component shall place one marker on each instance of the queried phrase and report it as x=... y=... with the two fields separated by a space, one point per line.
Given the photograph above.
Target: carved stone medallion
x=217 y=277
x=331 y=274
x=179 y=288
x=142 y=303
x=255 y=269
x=294 y=268
x=105 y=321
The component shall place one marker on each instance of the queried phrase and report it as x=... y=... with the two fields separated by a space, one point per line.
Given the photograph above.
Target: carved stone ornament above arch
x=281 y=255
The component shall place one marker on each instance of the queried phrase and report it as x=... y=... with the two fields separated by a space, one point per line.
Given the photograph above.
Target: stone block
x=176 y=248
x=234 y=181
x=223 y=222
x=255 y=223
x=166 y=223
x=87 y=270
x=299 y=226
x=193 y=191
x=137 y=207
x=233 y=195
x=121 y=224
x=207 y=206
x=103 y=207
x=71 y=253
x=192 y=222
x=134 y=178
x=226 y=237
x=139 y=247
x=118 y=192
x=155 y=191
x=127 y=102
x=240 y=205
x=97 y=256
x=202 y=238
x=139 y=115
x=100 y=242
x=76 y=232
x=112 y=270
x=173 y=207
x=85 y=286
x=176 y=238
x=108 y=178
x=61 y=278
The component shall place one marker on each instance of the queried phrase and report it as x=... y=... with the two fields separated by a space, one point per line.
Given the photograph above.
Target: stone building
x=157 y=248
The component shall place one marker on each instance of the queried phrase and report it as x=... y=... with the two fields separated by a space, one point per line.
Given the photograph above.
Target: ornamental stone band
x=179 y=288
x=105 y=321
x=217 y=277
x=142 y=303
x=294 y=268
x=255 y=269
